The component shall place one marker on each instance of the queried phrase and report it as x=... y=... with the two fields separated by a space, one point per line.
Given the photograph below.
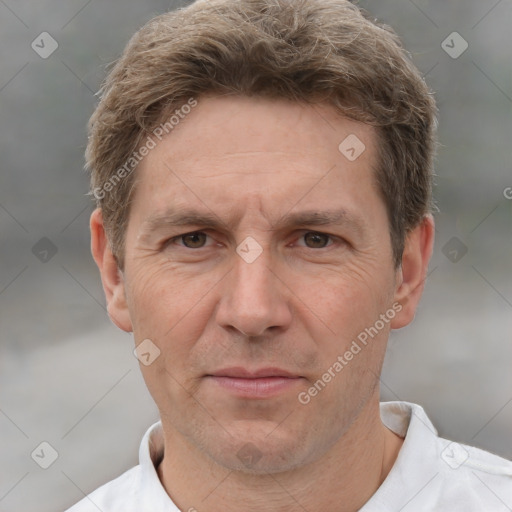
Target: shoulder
x=475 y=472
x=433 y=473
x=118 y=494
x=138 y=488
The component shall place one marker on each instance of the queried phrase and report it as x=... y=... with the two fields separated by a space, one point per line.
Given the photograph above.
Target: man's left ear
x=410 y=277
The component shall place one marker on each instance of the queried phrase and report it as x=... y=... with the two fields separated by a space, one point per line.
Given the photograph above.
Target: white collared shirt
x=430 y=474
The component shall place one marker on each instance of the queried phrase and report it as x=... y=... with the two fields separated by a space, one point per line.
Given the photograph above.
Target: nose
x=254 y=298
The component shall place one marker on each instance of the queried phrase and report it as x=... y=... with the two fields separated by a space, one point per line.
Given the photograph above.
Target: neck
x=342 y=480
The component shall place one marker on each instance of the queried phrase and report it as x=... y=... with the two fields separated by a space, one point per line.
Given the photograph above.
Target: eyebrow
x=208 y=220
x=323 y=218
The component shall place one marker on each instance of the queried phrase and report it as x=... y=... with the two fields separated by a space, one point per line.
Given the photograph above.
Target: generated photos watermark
x=151 y=141
x=355 y=348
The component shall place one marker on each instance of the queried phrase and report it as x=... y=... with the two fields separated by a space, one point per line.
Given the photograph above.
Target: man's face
x=222 y=317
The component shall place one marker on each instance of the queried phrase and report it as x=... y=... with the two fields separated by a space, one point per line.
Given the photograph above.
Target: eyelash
x=331 y=238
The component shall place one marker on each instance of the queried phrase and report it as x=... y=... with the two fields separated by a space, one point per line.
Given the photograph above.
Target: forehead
x=230 y=152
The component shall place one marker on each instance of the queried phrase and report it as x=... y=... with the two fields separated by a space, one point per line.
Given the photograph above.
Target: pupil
x=316 y=240
x=194 y=240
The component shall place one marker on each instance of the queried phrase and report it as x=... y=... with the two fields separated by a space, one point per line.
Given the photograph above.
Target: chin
x=256 y=451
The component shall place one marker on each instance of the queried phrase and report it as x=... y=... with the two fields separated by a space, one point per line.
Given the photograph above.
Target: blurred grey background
x=68 y=376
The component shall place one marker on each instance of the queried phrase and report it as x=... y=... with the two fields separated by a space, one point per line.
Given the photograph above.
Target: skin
x=250 y=162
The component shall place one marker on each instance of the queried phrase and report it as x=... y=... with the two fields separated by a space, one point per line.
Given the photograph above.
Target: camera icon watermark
x=146 y=352
x=249 y=454
x=352 y=147
x=454 y=45
x=44 y=45
x=44 y=455
x=249 y=250
x=454 y=249
x=455 y=455
x=44 y=250
x=507 y=193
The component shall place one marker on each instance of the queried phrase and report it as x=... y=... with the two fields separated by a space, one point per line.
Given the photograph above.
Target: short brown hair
x=326 y=51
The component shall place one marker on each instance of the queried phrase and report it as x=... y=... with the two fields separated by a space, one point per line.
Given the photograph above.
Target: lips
x=239 y=372
x=257 y=384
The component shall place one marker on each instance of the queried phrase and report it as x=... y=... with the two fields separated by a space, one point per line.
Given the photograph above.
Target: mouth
x=261 y=383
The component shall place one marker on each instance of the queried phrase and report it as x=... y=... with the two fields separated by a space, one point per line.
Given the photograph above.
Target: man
x=262 y=170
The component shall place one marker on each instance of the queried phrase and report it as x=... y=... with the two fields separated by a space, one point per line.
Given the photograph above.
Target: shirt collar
x=151 y=452
x=417 y=462
x=405 y=419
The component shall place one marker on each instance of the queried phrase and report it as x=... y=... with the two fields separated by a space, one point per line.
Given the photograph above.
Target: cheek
x=347 y=298
x=146 y=298
x=174 y=311
x=344 y=311
x=164 y=303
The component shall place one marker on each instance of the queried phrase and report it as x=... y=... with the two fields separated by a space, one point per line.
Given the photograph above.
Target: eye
x=315 y=240
x=194 y=240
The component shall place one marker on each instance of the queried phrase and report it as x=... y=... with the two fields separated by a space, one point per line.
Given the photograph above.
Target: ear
x=410 y=277
x=111 y=276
